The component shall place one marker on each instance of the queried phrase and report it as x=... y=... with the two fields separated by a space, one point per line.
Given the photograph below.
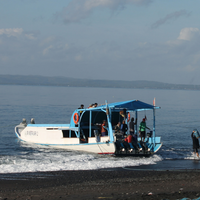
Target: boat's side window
x=66 y=134
x=73 y=134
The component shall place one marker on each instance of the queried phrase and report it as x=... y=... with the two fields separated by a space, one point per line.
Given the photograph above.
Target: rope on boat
x=99 y=147
x=103 y=148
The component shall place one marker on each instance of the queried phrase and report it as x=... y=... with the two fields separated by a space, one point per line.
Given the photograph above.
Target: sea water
x=178 y=116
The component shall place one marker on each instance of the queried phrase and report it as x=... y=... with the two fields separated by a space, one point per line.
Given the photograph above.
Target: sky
x=154 y=40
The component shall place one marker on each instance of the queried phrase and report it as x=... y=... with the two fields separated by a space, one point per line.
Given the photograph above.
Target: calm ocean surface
x=178 y=116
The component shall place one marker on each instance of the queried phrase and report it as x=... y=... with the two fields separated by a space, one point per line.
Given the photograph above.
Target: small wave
x=176 y=153
x=61 y=160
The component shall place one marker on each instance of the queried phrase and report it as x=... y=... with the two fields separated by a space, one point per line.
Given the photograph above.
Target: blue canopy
x=132 y=105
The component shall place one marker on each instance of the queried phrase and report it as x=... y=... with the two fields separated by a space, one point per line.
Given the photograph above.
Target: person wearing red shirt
x=129 y=139
x=104 y=128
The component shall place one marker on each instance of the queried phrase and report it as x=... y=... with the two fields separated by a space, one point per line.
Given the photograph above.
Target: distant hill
x=73 y=82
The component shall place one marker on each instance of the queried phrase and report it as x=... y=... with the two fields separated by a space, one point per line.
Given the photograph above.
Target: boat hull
x=53 y=136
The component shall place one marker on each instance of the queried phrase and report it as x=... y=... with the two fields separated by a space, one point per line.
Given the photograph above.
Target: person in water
x=195 y=139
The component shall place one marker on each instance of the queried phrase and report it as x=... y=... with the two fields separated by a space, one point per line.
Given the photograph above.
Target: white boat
x=83 y=131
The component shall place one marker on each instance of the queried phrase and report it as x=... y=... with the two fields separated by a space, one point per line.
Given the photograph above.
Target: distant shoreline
x=72 y=82
x=142 y=88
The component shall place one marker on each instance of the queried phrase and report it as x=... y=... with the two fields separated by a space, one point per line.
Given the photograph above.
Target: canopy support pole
x=136 y=116
x=90 y=124
x=154 y=125
x=110 y=132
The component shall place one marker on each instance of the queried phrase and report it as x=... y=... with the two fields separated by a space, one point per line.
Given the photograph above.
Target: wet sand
x=102 y=184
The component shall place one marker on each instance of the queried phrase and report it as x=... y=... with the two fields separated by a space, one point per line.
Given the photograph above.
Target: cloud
x=48 y=40
x=78 y=10
x=11 y=32
x=78 y=57
x=189 y=33
x=18 y=32
x=173 y=16
x=46 y=50
x=189 y=68
x=186 y=34
x=31 y=35
x=184 y=53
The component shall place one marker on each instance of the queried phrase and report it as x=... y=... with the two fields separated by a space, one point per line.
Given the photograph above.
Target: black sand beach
x=102 y=184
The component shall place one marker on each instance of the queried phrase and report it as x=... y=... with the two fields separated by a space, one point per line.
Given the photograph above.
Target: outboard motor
x=149 y=134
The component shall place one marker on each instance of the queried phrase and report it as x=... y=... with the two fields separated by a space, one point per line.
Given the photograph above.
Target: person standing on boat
x=195 y=138
x=132 y=128
x=142 y=129
x=104 y=128
x=124 y=128
x=118 y=127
